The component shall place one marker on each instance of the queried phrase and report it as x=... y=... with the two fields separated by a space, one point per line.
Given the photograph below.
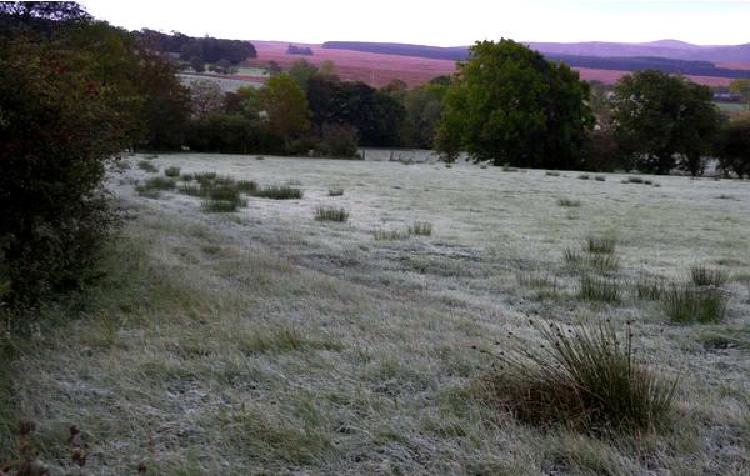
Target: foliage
x=375 y=115
x=423 y=107
x=301 y=71
x=734 y=146
x=337 y=140
x=207 y=98
x=587 y=379
x=510 y=105
x=741 y=87
x=286 y=106
x=60 y=122
x=226 y=133
x=657 y=117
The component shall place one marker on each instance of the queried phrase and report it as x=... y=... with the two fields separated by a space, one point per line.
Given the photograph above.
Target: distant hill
x=673 y=49
x=670 y=56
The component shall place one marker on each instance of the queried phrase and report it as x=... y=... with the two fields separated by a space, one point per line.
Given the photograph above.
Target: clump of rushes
x=146 y=192
x=147 y=166
x=586 y=378
x=600 y=178
x=583 y=177
x=192 y=189
x=278 y=192
x=648 y=288
x=205 y=177
x=600 y=245
x=552 y=173
x=161 y=183
x=331 y=214
x=597 y=289
x=687 y=303
x=247 y=186
x=422 y=228
x=392 y=235
x=172 y=171
x=187 y=178
x=224 y=180
x=705 y=276
x=218 y=206
x=566 y=202
x=335 y=192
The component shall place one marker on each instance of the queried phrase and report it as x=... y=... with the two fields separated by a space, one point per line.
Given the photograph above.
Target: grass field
x=268 y=341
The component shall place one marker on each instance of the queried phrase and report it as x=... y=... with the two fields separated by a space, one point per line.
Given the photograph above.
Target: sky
x=437 y=22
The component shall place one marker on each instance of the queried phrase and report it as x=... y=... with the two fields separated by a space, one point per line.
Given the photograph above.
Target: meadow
x=299 y=316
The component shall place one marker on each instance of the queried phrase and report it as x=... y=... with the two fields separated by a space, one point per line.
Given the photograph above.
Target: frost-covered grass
x=263 y=342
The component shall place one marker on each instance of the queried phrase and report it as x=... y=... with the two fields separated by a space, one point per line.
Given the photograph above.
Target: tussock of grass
x=331 y=214
x=421 y=228
x=686 y=303
x=160 y=183
x=598 y=289
x=587 y=379
x=335 y=192
x=648 y=288
x=705 y=276
x=600 y=178
x=598 y=262
x=172 y=171
x=584 y=177
x=187 y=178
x=600 y=246
x=247 y=186
x=204 y=177
x=218 y=206
x=725 y=197
x=192 y=189
x=147 y=166
x=536 y=279
x=392 y=235
x=278 y=192
x=566 y=202
x=552 y=173
x=224 y=180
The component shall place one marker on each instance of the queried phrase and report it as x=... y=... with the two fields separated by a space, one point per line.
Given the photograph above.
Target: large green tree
x=664 y=121
x=286 y=107
x=509 y=104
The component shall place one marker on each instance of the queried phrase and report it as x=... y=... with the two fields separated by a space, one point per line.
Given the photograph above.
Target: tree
x=423 y=107
x=510 y=105
x=286 y=106
x=207 y=97
x=375 y=115
x=197 y=63
x=741 y=87
x=734 y=146
x=301 y=71
x=658 y=118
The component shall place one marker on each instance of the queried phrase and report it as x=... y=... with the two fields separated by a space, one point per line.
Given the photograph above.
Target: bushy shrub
x=57 y=132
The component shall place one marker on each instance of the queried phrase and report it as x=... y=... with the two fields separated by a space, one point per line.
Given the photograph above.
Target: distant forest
x=622 y=63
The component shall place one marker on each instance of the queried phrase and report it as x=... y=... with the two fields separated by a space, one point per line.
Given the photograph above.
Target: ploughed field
x=351 y=330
